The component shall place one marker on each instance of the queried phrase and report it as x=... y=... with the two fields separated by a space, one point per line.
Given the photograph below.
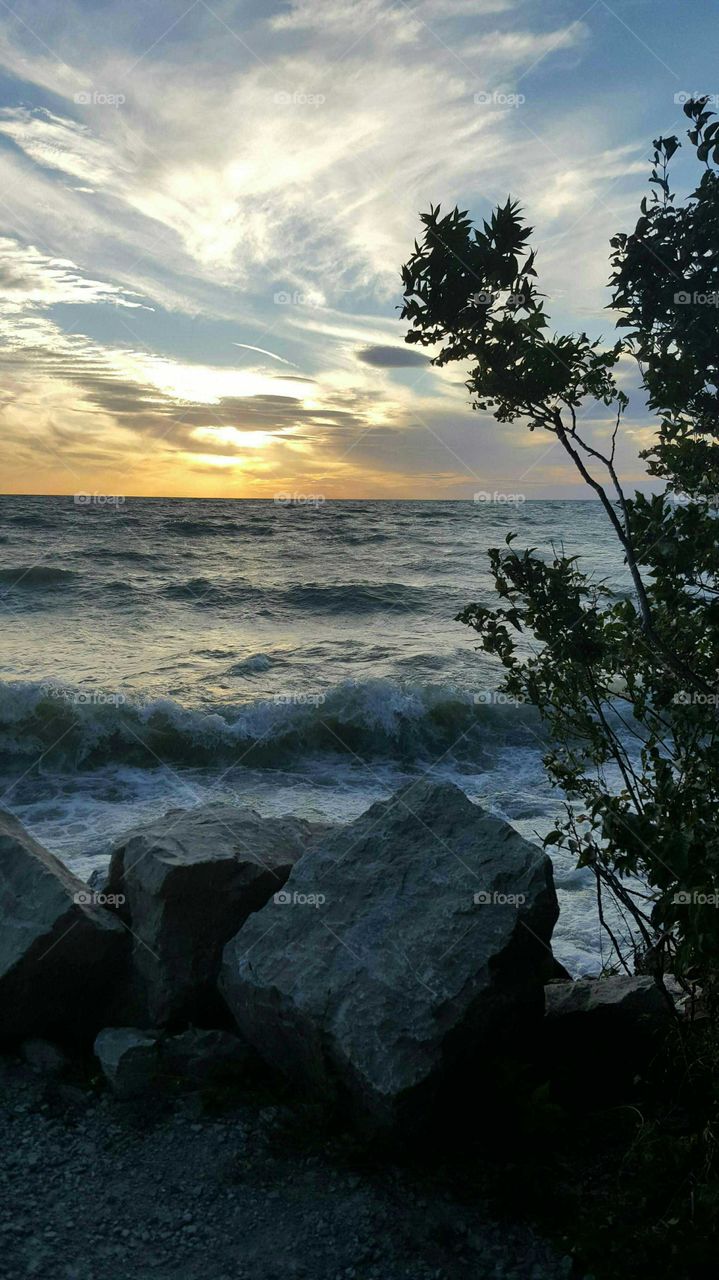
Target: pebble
x=154 y=1198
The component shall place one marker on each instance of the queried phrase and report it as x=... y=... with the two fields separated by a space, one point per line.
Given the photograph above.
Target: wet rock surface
x=59 y=952
x=401 y=947
x=187 y=882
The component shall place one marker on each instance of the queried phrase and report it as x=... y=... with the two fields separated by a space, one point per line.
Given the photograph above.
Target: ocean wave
x=37 y=577
x=361 y=539
x=201 y=591
x=439 y=512
x=335 y=599
x=353 y=598
x=26 y=520
x=256 y=662
x=199 y=528
x=125 y=557
x=373 y=720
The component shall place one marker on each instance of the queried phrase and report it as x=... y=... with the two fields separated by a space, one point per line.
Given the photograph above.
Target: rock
x=97 y=880
x=396 y=952
x=59 y=952
x=555 y=971
x=599 y=1034
x=190 y=880
x=621 y=996
x=45 y=1058
x=137 y=1062
x=130 y=1060
x=203 y=1057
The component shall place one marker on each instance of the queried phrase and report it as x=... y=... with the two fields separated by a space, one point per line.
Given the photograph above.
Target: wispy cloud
x=220 y=188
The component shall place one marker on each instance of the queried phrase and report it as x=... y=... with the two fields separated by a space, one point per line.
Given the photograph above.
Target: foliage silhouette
x=627 y=684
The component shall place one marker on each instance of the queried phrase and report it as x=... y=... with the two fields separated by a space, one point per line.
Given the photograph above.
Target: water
x=163 y=652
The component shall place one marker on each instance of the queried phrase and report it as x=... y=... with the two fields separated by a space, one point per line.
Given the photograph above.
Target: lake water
x=298 y=657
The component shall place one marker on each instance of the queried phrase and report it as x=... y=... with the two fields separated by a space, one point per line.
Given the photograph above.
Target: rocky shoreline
x=198 y=1046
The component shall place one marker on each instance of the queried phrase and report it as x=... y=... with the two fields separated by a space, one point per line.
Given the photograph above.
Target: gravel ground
x=91 y=1188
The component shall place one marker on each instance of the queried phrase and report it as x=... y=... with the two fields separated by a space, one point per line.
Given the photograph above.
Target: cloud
x=29 y=278
x=59 y=143
x=208 y=161
x=320 y=151
x=523 y=49
x=391 y=357
x=406 y=20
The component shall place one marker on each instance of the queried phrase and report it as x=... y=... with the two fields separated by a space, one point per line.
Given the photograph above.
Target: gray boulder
x=44 y=1058
x=600 y=1034
x=204 y=1057
x=130 y=1060
x=137 y=1062
x=59 y=952
x=396 y=953
x=189 y=880
x=616 y=998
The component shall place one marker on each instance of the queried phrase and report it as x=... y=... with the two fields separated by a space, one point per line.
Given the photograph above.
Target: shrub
x=627 y=683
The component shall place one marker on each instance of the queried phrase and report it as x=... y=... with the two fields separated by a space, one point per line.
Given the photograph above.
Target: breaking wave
x=376 y=719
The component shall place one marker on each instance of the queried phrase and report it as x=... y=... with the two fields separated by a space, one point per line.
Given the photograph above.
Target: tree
x=627 y=684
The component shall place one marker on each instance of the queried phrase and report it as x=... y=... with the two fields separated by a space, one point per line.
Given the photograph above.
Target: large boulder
x=398 y=951
x=189 y=880
x=59 y=951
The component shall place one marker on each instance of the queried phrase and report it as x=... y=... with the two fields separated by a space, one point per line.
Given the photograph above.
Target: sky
x=206 y=206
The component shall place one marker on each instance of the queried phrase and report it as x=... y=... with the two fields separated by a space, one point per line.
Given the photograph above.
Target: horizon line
x=288 y=499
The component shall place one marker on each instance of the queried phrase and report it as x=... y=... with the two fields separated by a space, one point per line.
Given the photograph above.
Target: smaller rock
x=204 y=1056
x=130 y=1060
x=60 y=953
x=620 y=996
x=44 y=1057
x=600 y=1034
x=184 y=884
x=97 y=880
